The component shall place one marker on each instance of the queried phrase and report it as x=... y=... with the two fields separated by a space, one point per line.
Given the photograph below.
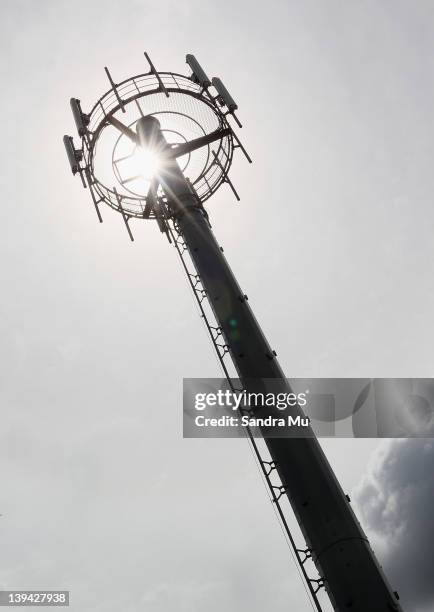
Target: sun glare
x=136 y=169
x=145 y=163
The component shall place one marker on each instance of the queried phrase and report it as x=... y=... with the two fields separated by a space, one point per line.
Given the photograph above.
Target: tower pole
x=340 y=549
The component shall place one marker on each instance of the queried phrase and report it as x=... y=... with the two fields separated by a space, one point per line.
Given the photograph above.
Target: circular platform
x=114 y=161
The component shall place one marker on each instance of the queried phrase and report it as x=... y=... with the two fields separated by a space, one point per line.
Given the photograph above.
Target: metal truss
x=302 y=554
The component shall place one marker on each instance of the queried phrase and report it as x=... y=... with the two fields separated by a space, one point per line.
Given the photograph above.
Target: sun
x=145 y=162
x=137 y=166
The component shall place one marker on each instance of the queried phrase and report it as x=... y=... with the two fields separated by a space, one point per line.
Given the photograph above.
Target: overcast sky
x=332 y=242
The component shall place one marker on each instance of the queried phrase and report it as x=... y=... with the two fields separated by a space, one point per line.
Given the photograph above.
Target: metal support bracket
x=269 y=466
x=82 y=178
x=112 y=83
x=156 y=74
x=318 y=582
x=237 y=121
x=125 y=217
x=226 y=178
x=239 y=145
x=92 y=193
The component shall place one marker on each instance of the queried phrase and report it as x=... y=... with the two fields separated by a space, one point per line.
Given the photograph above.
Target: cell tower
x=157 y=146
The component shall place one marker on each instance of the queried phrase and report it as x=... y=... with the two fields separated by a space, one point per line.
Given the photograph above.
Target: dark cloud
x=396 y=502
